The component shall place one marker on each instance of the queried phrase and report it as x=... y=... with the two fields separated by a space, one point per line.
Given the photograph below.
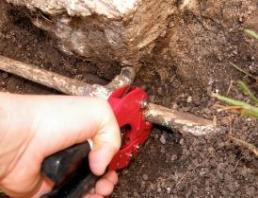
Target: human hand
x=34 y=127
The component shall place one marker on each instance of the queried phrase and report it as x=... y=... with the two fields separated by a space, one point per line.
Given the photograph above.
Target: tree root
x=186 y=123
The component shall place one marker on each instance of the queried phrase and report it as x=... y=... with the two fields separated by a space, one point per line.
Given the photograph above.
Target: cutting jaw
x=127 y=103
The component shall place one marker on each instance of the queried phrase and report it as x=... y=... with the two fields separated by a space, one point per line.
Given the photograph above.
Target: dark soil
x=168 y=165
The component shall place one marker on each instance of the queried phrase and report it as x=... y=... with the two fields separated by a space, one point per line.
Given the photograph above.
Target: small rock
x=174 y=106
x=162 y=139
x=173 y=157
x=159 y=189
x=145 y=177
x=189 y=99
x=5 y=75
x=181 y=142
x=211 y=150
x=202 y=172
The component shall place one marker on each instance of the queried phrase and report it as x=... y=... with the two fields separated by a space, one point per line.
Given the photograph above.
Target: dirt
x=169 y=165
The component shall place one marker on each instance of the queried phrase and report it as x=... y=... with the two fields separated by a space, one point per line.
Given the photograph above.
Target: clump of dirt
x=168 y=165
x=199 y=45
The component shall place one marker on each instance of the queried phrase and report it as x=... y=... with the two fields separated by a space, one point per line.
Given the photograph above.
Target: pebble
x=181 y=142
x=202 y=172
x=174 y=106
x=162 y=139
x=173 y=157
x=189 y=99
x=145 y=177
x=159 y=189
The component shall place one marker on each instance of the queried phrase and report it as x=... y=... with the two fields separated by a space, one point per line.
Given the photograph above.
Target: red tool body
x=126 y=103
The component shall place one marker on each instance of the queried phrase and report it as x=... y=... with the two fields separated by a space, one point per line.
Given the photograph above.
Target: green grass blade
x=249 y=113
x=246 y=108
x=231 y=101
x=247 y=91
x=243 y=71
x=251 y=33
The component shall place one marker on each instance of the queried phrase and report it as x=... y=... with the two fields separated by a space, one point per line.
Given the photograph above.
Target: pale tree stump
x=103 y=30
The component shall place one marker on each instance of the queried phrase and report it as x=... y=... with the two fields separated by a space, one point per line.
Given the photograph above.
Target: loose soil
x=168 y=165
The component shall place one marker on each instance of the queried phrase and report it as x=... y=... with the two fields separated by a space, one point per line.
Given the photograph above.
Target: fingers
x=104 y=186
x=111 y=176
x=45 y=187
x=96 y=121
x=93 y=196
x=71 y=120
x=106 y=143
x=101 y=157
x=58 y=122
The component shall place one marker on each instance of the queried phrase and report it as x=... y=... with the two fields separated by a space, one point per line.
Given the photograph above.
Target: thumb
x=101 y=157
x=106 y=143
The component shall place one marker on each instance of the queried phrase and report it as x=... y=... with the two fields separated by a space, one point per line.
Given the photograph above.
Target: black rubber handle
x=59 y=166
x=79 y=183
x=70 y=171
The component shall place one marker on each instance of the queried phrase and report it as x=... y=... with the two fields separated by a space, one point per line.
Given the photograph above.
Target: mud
x=169 y=165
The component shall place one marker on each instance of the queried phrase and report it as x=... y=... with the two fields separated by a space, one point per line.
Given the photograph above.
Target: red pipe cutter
x=69 y=168
x=128 y=109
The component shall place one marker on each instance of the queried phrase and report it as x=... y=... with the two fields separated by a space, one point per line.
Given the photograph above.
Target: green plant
x=243 y=107
x=252 y=33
